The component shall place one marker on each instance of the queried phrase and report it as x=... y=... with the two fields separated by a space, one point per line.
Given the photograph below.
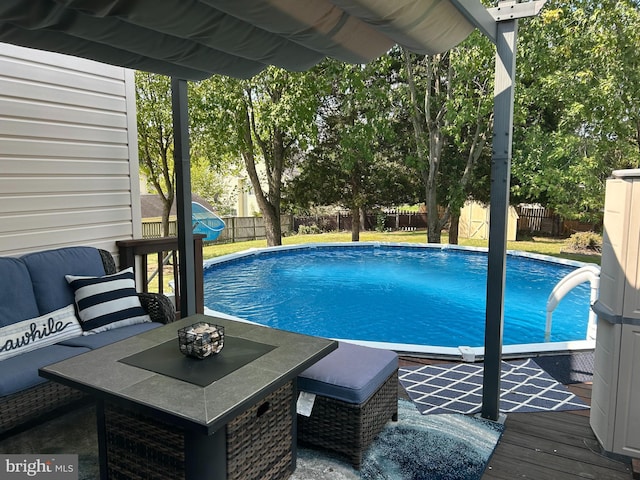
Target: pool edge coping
x=436 y=246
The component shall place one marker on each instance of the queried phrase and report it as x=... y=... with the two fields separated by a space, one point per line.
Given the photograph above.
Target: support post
x=506 y=40
x=182 y=165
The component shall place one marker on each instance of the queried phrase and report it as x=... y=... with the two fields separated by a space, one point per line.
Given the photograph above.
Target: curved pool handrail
x=588 y=273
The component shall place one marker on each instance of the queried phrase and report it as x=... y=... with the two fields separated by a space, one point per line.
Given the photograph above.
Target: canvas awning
x=194 y=39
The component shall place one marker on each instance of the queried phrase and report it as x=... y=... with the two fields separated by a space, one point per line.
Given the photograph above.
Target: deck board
x=549 y=445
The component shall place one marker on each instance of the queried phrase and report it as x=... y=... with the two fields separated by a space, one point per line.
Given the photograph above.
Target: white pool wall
x=463 y=352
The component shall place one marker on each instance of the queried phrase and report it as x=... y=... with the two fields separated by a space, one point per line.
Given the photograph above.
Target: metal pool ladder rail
x=590 y=273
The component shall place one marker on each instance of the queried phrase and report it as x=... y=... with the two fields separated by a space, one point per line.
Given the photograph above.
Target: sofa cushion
x=21 y=337
x=107 y=302
x=48 y=268
x=352 y=373
x=21 y=372
x=17 y=300
x=110 y=336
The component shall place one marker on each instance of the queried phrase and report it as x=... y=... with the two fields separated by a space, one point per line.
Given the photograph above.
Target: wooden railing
x=157 y=265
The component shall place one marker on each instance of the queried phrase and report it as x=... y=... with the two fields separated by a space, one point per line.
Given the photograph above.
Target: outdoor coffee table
x=164 y=415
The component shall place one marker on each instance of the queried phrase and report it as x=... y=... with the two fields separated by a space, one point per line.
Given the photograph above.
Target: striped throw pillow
x=108 y=302
x=27 y=335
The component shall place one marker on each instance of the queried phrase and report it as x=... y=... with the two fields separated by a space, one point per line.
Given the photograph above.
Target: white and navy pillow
x=108 y=302
x=27 y=335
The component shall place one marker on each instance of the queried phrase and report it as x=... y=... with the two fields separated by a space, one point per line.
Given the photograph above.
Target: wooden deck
x=550 y=445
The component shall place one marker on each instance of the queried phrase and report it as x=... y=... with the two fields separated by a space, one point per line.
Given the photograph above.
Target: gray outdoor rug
x=457 y=388
x=417 y=447
x=431 y=447
x=569 y=368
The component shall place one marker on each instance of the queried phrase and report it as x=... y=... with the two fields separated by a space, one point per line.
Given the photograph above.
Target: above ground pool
x=421 y=295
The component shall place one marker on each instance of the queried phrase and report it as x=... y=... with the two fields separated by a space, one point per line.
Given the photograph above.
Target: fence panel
x=341 y=221
x=533 y=219
x=237 y=229
x=406 y=220
x=154 y=229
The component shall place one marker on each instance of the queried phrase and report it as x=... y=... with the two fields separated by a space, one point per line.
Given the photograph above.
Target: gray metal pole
x=182 y=164
x=500 y=184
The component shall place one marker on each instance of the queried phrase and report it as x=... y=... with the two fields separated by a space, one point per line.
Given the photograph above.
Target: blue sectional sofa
x=56 y=304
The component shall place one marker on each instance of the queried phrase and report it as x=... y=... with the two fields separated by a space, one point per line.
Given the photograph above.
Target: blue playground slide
x=206 y=222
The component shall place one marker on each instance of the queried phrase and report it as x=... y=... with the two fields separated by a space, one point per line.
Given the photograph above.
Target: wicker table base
x=257 y=444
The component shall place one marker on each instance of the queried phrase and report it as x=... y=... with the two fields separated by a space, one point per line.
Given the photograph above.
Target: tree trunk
x=165 y=219
x=167 y=202
x=431 y=140
x=355 y=224
x=269 y=207
x=273 y=153
x=454 y=226
x=270 y=212
x=272 y=226
x=434 y=231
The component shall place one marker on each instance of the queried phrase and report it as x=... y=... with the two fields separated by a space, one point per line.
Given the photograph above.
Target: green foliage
x=155 y=143
x=381 y=219
x=265 y=122
x=312 y=229
x=155 y=130
x=589 y=242
x=354 y=162
x=577 y=104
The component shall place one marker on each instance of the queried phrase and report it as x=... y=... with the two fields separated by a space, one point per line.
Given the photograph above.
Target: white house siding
x=68 y=152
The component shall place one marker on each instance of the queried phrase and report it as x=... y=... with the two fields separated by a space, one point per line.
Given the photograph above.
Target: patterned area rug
x=457 y=388
x=431 y=447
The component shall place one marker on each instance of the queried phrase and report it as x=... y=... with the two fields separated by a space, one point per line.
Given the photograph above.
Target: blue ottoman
x=356 y=395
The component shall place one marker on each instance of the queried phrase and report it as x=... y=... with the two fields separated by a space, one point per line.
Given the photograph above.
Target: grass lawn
x=541 y=245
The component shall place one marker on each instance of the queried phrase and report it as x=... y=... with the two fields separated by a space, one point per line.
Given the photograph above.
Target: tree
x=354 y=162
x=450 y=109
x=155 y=143
x=267 y=118
x=155 y=137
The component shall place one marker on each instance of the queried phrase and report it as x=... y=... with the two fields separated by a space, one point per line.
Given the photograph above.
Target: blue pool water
x=397 y=294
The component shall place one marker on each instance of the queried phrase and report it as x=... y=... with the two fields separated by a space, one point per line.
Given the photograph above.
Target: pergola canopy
x=194 y=39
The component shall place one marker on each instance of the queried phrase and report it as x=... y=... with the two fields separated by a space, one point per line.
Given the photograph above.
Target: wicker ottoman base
x=257 y=443
x=346 y=428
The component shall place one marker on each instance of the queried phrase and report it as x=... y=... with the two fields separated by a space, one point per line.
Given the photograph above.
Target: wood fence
x=532 y=221
x=237 y=229
x=393 y=220
x=539 y=220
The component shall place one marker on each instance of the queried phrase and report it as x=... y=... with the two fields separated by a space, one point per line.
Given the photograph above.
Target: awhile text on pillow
x=50 y=327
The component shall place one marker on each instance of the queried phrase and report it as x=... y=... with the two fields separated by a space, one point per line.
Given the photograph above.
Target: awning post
x=182 y=165
x=500 y=184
